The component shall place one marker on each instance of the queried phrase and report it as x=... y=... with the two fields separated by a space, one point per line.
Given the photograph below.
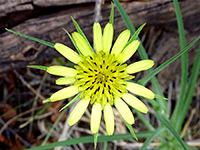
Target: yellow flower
x=101 y=77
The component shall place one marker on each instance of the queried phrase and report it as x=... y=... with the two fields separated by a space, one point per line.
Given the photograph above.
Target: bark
x=45 y=19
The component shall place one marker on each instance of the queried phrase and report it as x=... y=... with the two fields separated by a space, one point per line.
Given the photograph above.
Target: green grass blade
x=111 y=14
x=17 y=107
x=184 y=63
x=144 y=120
x=168 y=125
x=81 y=32
x=90 y=139
x=36 y=115
x=38 y=67
x=166 y=63
x=154 y=135
x=190 y=91
x=58 y=119
x=53 y=127
x=32 y=38
x=74 y=43
x=142 y=53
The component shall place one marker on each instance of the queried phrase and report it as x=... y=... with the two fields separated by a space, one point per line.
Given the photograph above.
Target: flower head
x=101 y=77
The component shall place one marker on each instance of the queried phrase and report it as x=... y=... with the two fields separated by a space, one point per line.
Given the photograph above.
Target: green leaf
x=74 y=43
x=32 y=38
x=38 y=67
x=131 y=130
x=90 y=139
x=166 y=63
x=72 y=101
x=81 y=32
x=167 y=124
x=95 y=140
x=154 y=135
x=111 y=14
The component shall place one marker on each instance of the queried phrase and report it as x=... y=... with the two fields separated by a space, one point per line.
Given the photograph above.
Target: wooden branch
x=45 y=19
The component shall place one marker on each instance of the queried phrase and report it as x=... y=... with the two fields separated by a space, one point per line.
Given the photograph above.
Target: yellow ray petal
x=139 y=66
x=97 y=35
x=65 y=80
x=67 y=53
x=64 y=93
x=134 y=102
x=82 y=44
x=62 y=71
x=130 y=50
x=121 y=42
x=78 y=111
x=95 y=117
x=109 y=119
x=107 y=37
x=140 y=90
x=124 y=111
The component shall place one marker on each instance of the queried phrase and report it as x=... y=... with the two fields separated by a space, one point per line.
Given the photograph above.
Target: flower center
x=101 y=78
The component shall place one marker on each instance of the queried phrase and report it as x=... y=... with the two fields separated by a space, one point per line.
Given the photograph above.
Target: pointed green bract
x=32 y=38
x=131 y=130
x=81 y=32
x=70 y=102
x=135 y=35
x=46 y=101
x=74 y=43
x=38 y=67
x=95 y=140
x=160 y=97
x=111 y=14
